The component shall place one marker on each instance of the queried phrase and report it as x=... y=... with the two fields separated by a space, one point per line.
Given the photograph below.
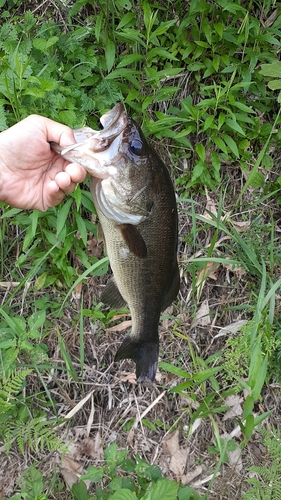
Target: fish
x=136 y=205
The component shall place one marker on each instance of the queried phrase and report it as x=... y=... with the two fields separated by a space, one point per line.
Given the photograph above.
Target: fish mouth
x=98 y=150
x=114 y=123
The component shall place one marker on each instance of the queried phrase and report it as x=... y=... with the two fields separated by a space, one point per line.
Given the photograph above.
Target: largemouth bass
x=135 y=201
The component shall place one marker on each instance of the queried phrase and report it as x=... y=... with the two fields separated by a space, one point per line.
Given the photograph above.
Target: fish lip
x=114 y=122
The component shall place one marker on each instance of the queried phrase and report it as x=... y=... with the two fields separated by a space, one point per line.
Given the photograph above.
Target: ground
x=104 y=404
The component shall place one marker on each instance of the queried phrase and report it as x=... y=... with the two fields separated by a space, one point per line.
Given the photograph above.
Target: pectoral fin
x=133 y=240
x=112 y=297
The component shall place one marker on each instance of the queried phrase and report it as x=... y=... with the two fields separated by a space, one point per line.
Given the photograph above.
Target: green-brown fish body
x=136 y=205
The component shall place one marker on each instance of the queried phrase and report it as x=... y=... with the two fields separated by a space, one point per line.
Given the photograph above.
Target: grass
x=203 y=80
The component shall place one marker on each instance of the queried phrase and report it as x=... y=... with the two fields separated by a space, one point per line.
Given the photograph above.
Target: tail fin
x=145 y=355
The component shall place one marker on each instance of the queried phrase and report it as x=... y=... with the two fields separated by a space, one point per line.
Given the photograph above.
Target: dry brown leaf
x=70 y=470
x=241 y=226
x=129 y=377
x=95 y=249
x=76 y=294
x=171 y=443
x=178 y=462
x=130 y=437
x=122 y=326
x=210 y=207
x=235 y=407
x=204 y=274
x=7 y=284
x=190 y=476
x=237 y=270
x=232 y=328
x=119 y=316
x=208 y=271
x=178 y=455
x=235 y=458
x=202 y=315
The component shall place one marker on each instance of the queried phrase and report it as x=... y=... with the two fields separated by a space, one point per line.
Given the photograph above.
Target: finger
x=76 y=172
x=65 y=182
x=53 y=196
x=54 y=131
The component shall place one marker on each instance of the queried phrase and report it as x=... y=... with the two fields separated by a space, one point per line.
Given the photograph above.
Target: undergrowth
x=202 y=78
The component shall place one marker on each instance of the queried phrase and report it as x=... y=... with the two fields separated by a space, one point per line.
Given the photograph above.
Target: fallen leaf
x=241 y=226
x=238 y=271
x=120 y=327
x=187 y=478
x=208 y=271
x=70 y=470
x=130 y=437
x=129 y=377
x=210 y=208
x=95 y=249
x=76 y=294
x=202 y=317
x=178 y=462
x=178 y=455
x=171 y=443
x=235 y=407
x=235 y=458
x=231 y=328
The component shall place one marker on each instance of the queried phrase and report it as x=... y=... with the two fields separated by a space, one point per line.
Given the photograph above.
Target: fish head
x=123 y=195
x=118 y=160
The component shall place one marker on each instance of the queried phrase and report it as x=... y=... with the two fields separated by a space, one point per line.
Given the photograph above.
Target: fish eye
x=136 y=147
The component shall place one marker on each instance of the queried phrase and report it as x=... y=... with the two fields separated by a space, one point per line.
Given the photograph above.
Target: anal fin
x=112 y=297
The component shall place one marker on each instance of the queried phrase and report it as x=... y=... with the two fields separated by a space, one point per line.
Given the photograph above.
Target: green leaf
x=81 y=227
x=200 y=150
x=80 y=491
x=40 y=44
x=260 y=378
x=109 y=54
x=231 y=144
x=234 y=126
x=164 y=489
x=51 y=41
x=129 y=59
x=131 y=35
x=98 y=26
x=123 y=494
x=257 y=180
x=36 y=320
x=174 y=369
x=221 y=145
x=3 y=120
x=127 y=19
x=163 y=28
x=275 y=85
x=93 y=474
x=248 y=406
x=62 y=216
x=208 y=122
x=158 y=52
x=207 y=373
x=273 y=69
x=219 y=27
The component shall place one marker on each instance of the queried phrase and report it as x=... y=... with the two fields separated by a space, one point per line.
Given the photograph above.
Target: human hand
x=32 y=175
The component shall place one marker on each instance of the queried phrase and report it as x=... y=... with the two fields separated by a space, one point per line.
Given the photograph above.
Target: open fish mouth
x=91 y=142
